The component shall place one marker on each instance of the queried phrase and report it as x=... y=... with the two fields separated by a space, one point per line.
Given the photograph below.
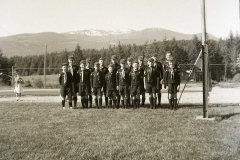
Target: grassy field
x=44 y=131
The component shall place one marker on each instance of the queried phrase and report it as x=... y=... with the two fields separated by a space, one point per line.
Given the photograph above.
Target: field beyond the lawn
x=45 y=131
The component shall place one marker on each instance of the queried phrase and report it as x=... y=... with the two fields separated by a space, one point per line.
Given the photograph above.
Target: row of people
x=122 y=85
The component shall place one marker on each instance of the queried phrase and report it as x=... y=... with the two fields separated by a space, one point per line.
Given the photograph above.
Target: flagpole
x=186 y=83
x=205 y=63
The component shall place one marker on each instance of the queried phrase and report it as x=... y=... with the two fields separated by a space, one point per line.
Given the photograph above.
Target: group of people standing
x=123 y=85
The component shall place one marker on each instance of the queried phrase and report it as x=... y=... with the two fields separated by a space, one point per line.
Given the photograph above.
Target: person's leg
x=17 y=97
x=69 y=93
x=100 y=97
x=63 y=102
x=137 y=100
x=150 y=100
x=143 y=98
x=159 y=97
x=74 y=100
x=154 y=100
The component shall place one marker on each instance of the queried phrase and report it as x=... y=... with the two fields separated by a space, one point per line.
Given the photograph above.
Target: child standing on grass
x=111 y=91
x=18 y=86
x=96 y=80
x=84 y=84
x=136 y=90
x=123 y=83
x=65 y=81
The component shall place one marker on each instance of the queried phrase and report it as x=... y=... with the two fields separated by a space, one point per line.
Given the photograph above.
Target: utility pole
x=12 y=77
x=205 y=63
x=45 y=65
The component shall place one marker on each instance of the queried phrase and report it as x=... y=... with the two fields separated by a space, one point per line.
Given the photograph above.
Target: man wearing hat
x=116 y=66
x=142 y=68
x=111 y=91
x=88 y=67
x=96 y=80
x=84 y=84
x=151 y=82
x=158 y=65
x=104 y=70
x=135 y=77
x=123 y=83
x=65 y=81
x=73 y=69
x=172 y=79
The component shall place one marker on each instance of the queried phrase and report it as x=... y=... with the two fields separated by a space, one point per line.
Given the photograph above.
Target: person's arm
x=60 y=79
x=117 y=79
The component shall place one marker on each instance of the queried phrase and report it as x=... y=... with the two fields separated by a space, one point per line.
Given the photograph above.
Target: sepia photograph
x=120 y=79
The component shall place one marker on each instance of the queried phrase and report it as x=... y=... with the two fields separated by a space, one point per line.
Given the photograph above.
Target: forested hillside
x=186 y=51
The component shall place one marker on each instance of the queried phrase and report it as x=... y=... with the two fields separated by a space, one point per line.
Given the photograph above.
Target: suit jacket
x=84 y=77
x=68 y=83
x=152 y=76
x=110 y=79
x=96 y=79
x=121 y=79
x=74 y=72
x=136 y=77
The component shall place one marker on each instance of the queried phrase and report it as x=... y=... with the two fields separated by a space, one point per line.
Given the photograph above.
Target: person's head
x=82 y=64
x=110 y=68
x=140 y=60
x=129 y=61
x=96 y=66
x=64 y=67
x=70 y=60
x=135 y=65
x=169 y=56
x=122 y=63
x=114 y=59
x=101 y=61
x=154 y=58
x=16 y=73
x=150 y=62
x=88 y=61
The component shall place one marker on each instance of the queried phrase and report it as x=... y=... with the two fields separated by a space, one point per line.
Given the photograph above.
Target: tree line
x=186 y=52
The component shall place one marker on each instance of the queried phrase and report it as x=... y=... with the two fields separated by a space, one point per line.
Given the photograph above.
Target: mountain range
x=34 y=43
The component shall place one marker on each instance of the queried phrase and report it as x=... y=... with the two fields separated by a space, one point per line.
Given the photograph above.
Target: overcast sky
x=33 y=16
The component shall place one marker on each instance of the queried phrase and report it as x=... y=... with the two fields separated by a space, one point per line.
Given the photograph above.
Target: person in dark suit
x=96 y=80
x=158 y=65
x=111 y=90
x=84 y=84
x=116 y=66
x=135 y=77
x=172 y=79
x=65 y=81
x=104 y=70
x=142 y=68
x=123 y=83
x=73 y=69
x=151 y=82
x=88 y=67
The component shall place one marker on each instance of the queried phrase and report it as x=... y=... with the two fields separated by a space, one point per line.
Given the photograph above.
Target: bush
x=28 y=84
x=236 y=78
x=38 y=83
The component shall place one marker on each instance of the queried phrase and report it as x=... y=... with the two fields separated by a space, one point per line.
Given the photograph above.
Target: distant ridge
x=33 y=44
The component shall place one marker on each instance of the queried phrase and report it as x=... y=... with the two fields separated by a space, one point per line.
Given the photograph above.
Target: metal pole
x=12 y=76
x=205 y=63
x=45 y=66
x=225 y=72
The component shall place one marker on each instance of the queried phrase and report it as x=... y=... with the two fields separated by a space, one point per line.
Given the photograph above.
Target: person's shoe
x=63 y=108
x=70 y=107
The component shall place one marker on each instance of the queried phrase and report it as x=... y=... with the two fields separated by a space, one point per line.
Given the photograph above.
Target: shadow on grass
x=220 y=118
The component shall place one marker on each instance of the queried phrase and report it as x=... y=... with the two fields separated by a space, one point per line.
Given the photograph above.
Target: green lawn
x=44 y=131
